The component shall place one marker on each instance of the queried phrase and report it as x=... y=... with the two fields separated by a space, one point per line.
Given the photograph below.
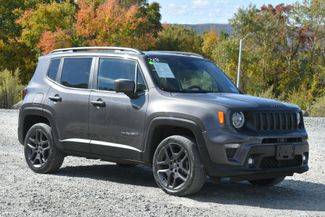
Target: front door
x=117 y=121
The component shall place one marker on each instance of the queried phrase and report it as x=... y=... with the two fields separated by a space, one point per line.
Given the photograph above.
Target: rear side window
x=53 y=69
x=113 y=69
x=75 y=72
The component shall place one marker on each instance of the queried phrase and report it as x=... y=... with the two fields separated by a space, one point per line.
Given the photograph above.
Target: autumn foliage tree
x=106 y=23
x=210 y=40
x=14 y=52
x=43 y=19
x=283 y=54
x=112 y=24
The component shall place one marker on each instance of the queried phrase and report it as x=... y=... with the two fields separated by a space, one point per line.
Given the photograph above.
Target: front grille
x=273 y=163
x=269 y=121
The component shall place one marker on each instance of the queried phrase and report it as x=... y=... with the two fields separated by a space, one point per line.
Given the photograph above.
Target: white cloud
x=177 y=9
x=200 y=3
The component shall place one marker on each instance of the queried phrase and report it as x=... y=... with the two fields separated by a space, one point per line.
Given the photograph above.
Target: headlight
x=238 y=119
x=298 y=118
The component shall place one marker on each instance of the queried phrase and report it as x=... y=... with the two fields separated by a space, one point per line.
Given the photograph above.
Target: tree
x=210 y=40
x=13 y=52
x=285 y=49
x=179 y=38
x=107 y=23
x=45 y=18
x=53 y=40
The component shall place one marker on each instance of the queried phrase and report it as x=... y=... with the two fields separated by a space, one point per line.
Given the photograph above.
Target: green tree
x=14 y=52
x=179 y=38
x=285 y=50
x=210 y=40
x=45 y=17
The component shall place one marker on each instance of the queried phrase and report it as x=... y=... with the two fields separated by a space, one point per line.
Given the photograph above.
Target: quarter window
x=112 y=69
x=75 y=72
x=53 y=69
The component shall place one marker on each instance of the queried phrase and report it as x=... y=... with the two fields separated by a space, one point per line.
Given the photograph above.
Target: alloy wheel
x=37 y=148
x=172 y=166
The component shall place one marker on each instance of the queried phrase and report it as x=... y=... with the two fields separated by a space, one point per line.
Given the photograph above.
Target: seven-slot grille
x=269 y=120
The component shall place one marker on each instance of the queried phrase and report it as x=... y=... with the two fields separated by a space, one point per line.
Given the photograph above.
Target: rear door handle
x=98 y=103
x=55 y=98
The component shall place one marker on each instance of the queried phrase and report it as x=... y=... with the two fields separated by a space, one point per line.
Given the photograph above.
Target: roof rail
x=182 y=53
x=81 y=49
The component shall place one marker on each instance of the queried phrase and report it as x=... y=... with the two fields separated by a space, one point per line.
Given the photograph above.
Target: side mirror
x=125 y=86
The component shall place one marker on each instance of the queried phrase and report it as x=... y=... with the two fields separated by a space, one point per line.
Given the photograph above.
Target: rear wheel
x=177 y=167
x=40 y=152
x=267 y=182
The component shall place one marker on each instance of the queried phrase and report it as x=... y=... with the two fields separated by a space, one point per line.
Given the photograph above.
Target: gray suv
x=174 y=111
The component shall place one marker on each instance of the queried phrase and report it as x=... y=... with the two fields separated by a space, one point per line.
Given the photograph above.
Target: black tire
x=177 y=167
x=41 y=154
x=267 y=182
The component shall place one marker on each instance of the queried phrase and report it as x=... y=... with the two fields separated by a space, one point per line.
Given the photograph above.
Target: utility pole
x=239 y=62
x=239 y=58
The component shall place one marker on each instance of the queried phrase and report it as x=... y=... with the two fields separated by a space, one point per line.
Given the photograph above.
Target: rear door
x=116 y=126
x=68 y=98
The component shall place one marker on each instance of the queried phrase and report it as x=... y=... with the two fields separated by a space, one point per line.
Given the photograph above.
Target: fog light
x=305 y=158
x=250 y=161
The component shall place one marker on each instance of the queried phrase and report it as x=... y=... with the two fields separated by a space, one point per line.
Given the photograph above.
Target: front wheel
x=177 y=167
x=267 y=182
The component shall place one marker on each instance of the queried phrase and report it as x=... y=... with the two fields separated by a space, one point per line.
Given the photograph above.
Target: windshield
x=188 y=75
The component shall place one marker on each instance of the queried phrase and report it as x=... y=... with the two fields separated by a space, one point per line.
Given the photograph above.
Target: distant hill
x=201 y=28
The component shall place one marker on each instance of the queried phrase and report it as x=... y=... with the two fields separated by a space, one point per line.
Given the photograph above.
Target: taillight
x=24 y=92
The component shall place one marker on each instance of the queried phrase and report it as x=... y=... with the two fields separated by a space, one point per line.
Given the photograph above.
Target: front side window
x=53 y=69
x=188 y=75
x=111 y=69
x=75 y=72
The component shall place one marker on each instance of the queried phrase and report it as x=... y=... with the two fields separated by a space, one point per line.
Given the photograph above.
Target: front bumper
x=256 y=156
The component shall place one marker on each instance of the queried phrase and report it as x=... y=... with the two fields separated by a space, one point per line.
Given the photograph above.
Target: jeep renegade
x=174 y=111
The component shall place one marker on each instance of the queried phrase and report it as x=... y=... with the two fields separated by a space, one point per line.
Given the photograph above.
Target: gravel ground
x=89 y=187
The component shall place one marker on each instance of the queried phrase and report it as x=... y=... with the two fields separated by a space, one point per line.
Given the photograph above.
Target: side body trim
x=96 y=142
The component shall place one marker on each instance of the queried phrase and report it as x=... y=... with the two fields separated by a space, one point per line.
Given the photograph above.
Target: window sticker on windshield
x=163 y=70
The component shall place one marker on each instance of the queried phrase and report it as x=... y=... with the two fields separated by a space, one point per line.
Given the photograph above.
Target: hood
x=232 y=100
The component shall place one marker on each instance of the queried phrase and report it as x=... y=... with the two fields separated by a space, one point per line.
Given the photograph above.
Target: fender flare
x=37 y=111
x=176 y=122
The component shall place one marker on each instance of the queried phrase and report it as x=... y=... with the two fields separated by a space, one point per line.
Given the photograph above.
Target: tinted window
x=75 y=72
x=53 y=69
x=113 y=69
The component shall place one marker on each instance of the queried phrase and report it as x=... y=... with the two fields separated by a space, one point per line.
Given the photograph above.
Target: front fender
x=194 y=127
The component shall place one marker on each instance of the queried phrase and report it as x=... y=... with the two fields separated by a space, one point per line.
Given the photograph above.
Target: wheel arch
x=162 y=127
x=33 y=115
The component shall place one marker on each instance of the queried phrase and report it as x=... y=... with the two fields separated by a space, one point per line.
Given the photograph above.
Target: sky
x=206 y=11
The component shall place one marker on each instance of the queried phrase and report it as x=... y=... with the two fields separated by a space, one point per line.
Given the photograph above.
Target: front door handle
x=55 y=98
x=98 y=103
